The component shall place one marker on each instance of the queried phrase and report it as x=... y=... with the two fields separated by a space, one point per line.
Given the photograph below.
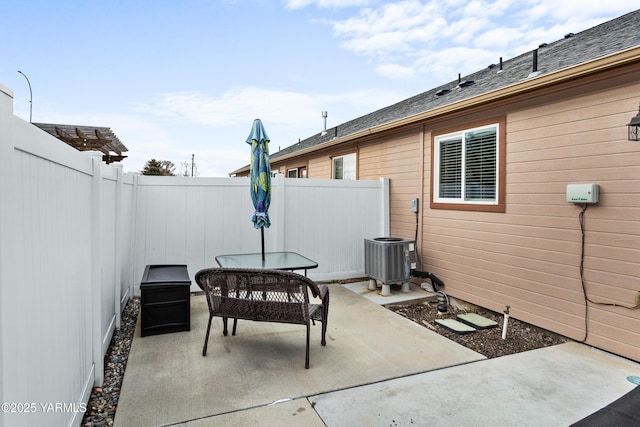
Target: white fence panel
x=106 y=225
x=125 y=228
x=47 y=354
x=328 y=220
x=182 y=220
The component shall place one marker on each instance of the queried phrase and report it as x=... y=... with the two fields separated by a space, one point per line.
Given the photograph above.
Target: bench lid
x=165 y=274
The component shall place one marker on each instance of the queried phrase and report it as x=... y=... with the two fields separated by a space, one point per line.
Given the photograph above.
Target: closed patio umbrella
x=260 y=173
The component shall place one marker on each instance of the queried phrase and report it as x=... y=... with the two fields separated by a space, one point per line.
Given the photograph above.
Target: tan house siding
x=318 y=164
x=529 y=256
x=583 y=139
x=283 y=168
x=320 y=168
x=396 y=156
x=564 y=125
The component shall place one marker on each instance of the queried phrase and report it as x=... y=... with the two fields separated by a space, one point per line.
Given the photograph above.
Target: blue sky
x=175 y=78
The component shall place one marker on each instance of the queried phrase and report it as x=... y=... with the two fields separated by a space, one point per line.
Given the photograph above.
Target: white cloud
x=499 y=39
x=380 y=45
x=412 y=34
x=579 y=11
x=480 y=8
x=301 y=4
x=446 y=64
x=243 y=104
x=395 y=71
x=391 y=17
x=238 y=105
x=462 y=32
x=214 y=127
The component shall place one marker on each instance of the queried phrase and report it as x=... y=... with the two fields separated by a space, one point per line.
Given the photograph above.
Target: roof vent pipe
x=324 y=116
x=459 y=78
x=500 y=69
x=535 y=71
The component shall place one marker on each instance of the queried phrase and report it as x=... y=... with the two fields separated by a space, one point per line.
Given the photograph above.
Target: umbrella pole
x=262 y=238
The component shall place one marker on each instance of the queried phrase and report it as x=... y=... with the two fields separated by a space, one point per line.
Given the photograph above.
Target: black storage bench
x=165 y=303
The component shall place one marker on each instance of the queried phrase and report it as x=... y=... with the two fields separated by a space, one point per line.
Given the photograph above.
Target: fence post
x=385 y=206
x=117 y=256
x=7 y=275
x=279 y=198
x=96 y=273
x=133 y=235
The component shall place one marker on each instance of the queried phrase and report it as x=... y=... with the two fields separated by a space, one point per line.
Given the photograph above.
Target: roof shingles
x=605 y=39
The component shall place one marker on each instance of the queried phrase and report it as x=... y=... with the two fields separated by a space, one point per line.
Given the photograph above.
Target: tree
x=189 y=168
x=158 y=167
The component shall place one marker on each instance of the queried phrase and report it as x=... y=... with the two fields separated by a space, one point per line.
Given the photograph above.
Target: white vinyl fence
x=182 y=220
x=76 y=235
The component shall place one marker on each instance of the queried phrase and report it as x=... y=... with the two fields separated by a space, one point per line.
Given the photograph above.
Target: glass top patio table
x=272 y=261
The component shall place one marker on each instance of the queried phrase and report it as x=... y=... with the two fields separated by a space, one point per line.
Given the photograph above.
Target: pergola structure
x=86 y=138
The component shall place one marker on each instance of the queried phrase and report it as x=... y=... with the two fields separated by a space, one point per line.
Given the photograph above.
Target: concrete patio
x=377 y=369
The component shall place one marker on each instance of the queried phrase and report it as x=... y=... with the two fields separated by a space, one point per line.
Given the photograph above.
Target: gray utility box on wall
x=583 y=193
x=165 y=299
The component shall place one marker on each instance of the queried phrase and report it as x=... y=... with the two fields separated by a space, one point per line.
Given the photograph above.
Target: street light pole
x=30 y=96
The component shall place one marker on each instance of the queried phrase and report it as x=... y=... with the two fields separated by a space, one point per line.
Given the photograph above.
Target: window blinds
x=450 y=168
x=480 y=165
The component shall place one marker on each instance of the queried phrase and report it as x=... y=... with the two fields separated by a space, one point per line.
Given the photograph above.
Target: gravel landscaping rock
x=101 y=408
x=520 y=337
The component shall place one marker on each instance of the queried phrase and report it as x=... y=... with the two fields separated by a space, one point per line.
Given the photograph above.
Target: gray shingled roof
x=574 y=49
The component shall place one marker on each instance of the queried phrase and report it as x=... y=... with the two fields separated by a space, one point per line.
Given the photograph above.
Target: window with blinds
x=466 y=166
x=450 y=168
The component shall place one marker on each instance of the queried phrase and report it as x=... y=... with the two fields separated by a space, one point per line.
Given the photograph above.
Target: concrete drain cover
x=477 y=321
x=455 y=326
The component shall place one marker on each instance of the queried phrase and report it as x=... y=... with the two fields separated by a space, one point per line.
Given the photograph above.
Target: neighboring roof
x=85 y=138
x=605 y=39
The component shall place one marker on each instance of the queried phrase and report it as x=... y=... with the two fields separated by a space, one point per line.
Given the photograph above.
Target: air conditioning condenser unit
x=389 y=260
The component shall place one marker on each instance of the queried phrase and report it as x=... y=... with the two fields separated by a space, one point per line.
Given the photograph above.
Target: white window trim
x=355 y=164
x=436 y=175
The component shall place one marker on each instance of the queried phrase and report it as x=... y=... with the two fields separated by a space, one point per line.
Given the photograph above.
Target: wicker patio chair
x=265 y=296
